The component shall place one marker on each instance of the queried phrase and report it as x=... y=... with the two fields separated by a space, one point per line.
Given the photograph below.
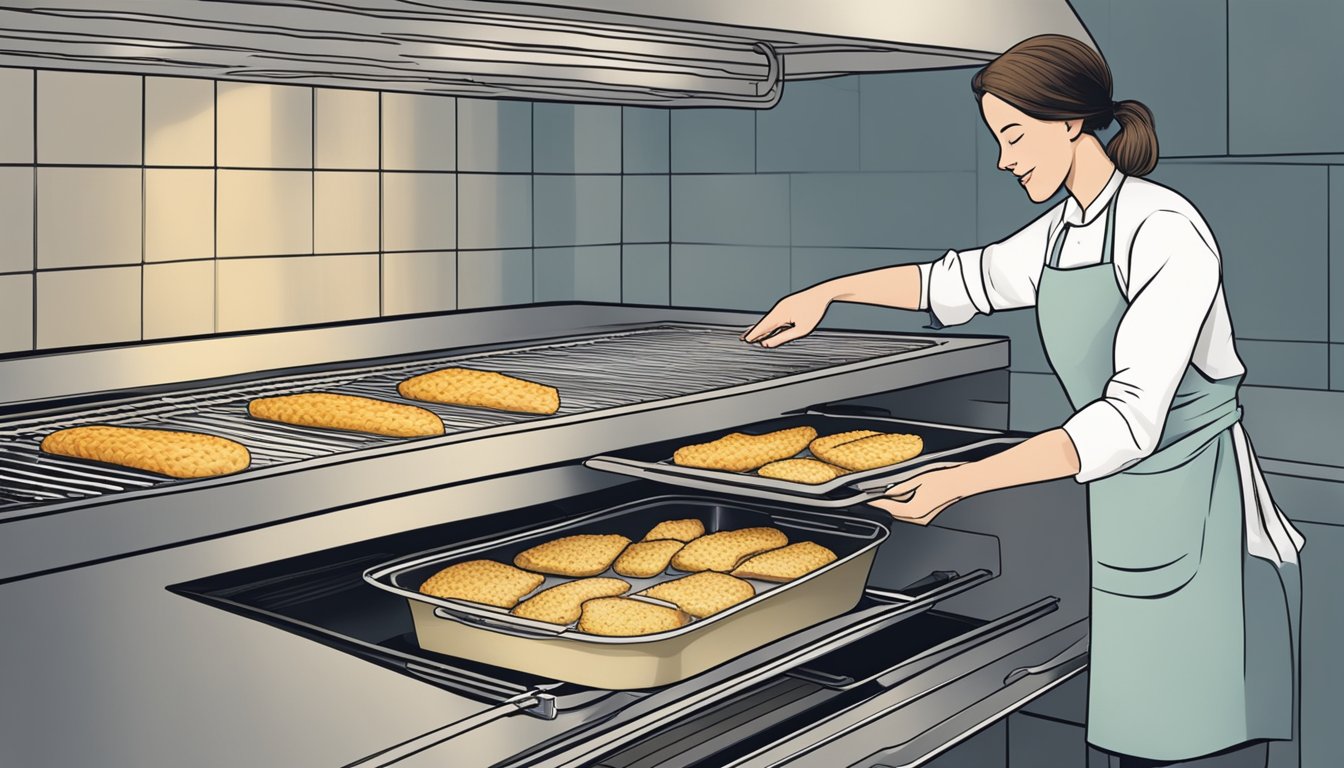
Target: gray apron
x=1192 y=640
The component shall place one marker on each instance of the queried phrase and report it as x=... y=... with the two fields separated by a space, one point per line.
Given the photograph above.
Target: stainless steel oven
x=235 y=610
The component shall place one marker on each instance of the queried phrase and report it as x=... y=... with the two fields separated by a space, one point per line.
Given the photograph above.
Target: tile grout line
x=382 y=284
x=620 y=207
x=214 y=142
x=34 y=254
x=669 y=206
x=457 y=203
x=144 y=200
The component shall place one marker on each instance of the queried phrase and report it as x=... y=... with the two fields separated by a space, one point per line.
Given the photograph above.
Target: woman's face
x=1038 y=152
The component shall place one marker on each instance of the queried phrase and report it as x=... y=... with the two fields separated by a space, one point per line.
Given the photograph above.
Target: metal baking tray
x=944 y=445
x=493 y=636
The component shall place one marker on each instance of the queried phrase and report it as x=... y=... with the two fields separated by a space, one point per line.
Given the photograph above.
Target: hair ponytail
x=1055 y=77
x=1134 y=148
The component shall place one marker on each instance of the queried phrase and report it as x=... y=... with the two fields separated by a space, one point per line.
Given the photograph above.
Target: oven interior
x=323 y=596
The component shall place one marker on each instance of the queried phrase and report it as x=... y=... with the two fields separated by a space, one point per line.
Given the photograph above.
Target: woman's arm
x=897 y=287
x=798 y=314
x=1047 y=456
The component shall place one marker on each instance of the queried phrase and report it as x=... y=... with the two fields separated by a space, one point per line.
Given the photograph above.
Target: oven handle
x=1065 y=656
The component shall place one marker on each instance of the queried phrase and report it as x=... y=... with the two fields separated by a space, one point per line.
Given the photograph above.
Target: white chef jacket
x=1168 y=267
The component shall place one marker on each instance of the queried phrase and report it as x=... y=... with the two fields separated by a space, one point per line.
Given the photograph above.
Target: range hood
x=677 y=53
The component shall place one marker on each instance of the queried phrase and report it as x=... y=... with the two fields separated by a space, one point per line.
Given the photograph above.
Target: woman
x=1194 y=570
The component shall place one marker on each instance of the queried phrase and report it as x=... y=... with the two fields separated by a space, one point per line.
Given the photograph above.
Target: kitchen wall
x=141 y=208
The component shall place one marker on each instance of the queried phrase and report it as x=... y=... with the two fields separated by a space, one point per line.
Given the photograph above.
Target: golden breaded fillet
x=737 y=452
x=623 y=617
x=175 y=454
x=873 y=452
x=703 y=594
x=827 y=442
x=681 y=530
x=722 y=551
x=562 y=603
x=482 y=581
x=786 y=563
x=808 y=471
x=327 y=410
x=481 y=389
x=582 y=555
x=646 y=559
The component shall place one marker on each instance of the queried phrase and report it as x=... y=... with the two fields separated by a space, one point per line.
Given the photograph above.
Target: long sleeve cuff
x=1103 y=440
x=925 y=271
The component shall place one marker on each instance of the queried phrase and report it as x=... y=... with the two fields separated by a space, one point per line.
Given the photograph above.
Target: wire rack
x=592 y=373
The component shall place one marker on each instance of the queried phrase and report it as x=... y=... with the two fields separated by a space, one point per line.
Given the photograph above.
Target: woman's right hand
x=792 y=317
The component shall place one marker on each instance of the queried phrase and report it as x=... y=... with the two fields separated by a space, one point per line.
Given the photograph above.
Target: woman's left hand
x=933 y=491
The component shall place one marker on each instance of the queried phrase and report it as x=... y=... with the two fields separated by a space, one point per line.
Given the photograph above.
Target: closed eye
x=1019 y=138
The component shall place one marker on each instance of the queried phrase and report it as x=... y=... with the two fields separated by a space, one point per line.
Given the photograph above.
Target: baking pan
x=493 y=636
x=944 y=445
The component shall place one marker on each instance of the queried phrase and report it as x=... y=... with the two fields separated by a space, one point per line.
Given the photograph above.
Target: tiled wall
x=141 y=208
x=866 y=171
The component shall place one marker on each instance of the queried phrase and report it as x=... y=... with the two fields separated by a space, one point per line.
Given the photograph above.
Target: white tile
x=419 y=212
x=16 y=313
x=179 y=299
x=345 y=212
x=419 y=132
x=88 y=306
x=88 y=118
x=645 y=274
x=347 y=129
x=16 y=219
x=729 y=277
x=495 y=211
x=738 y=209
x=179 y=121
x=265 y=213
x=265 y=126
x=87 y=217
x=419 y=282
x=576 y=210
x=179 y=214
x=277 y=293
x=590 y=273
x=576 y=138
x=494 y=136
x=644 y=135
x=494 y=278
x=16 y=115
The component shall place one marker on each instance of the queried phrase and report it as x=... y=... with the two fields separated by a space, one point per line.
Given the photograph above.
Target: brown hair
x=1053 y=77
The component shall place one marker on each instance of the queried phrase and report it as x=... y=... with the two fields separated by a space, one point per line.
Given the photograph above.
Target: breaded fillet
x=827 y=442
x=482 y=581
x=738 y=452
x=786 y=563
x=722 y=551
x=175 y=454
x=328 y=410
x=561 y=604
x=703 y=594
x=646 y=559
x=581 y=555
x=809 y=471
x=873 y=452
x=481 y=389
x=681 y=530
x=623 y=617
